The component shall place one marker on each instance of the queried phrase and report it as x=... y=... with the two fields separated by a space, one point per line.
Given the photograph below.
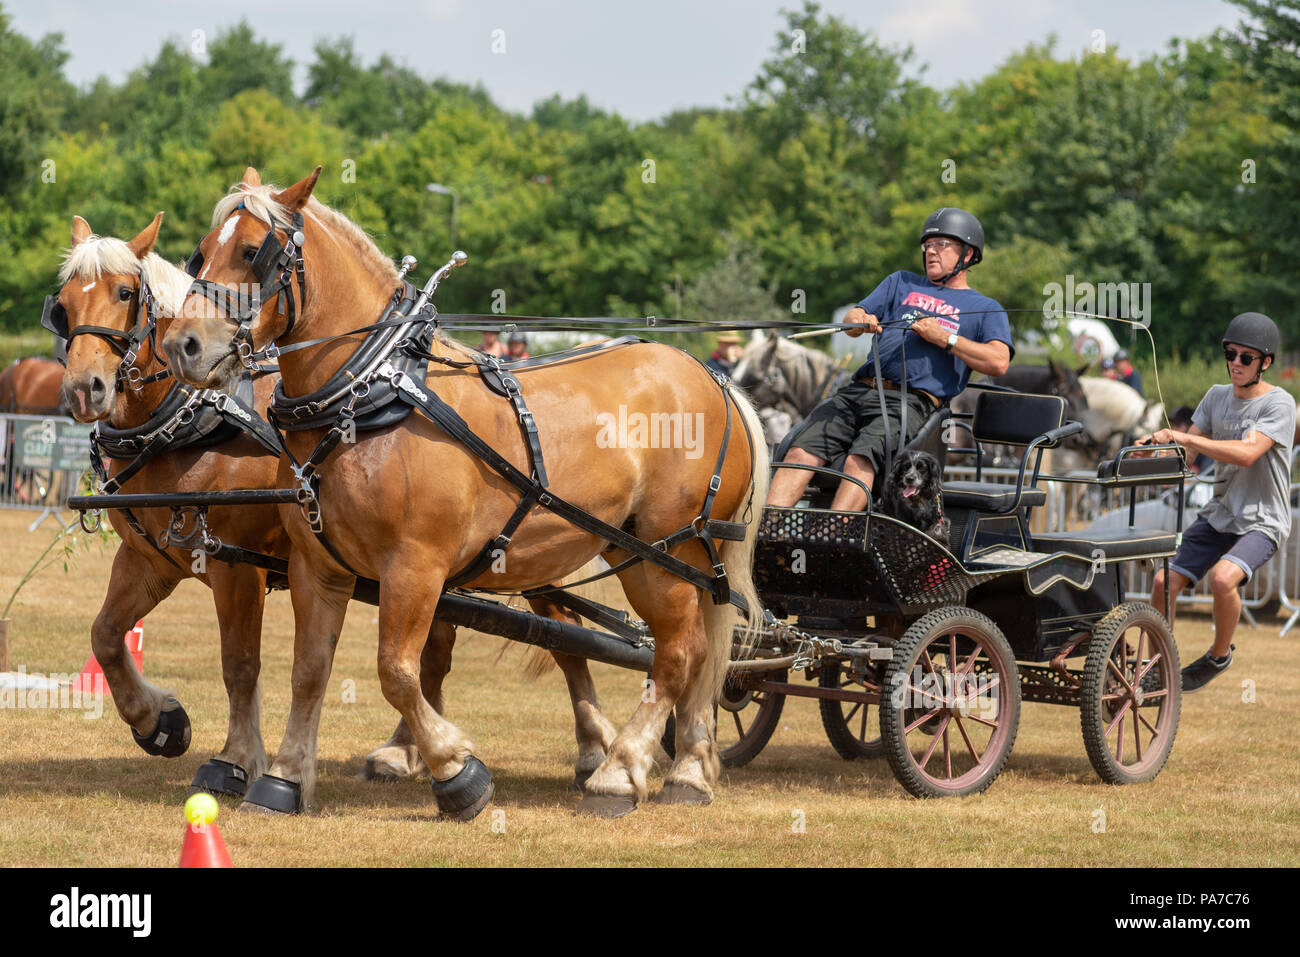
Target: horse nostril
x=97 y=389
x=190 y=348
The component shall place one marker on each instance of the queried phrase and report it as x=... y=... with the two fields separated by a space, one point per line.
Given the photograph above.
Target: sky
x=641 y=58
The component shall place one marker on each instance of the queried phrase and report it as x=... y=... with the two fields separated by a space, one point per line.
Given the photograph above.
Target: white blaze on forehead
x=90 y=287
x=223 y=237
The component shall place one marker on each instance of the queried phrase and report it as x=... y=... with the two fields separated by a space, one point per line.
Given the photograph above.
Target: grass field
x=79 y=792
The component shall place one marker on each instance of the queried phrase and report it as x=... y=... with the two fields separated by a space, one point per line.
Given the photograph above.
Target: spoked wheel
x=746 y=720
x=1131 y=696
x=951 y=704
x=850 y=725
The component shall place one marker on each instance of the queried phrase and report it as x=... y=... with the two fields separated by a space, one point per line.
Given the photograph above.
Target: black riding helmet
x=960 y=225
x=1255 y=331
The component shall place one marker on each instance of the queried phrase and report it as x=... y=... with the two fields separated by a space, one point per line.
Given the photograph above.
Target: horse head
x=111 y=293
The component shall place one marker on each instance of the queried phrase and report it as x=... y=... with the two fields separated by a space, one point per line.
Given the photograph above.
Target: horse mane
x=261 y=203
x=99 y=256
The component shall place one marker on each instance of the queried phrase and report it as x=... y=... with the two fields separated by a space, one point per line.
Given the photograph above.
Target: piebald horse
x=409 y=506
x=102 y=278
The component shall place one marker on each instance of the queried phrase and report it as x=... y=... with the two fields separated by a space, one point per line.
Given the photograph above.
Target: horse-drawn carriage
x=877 y=612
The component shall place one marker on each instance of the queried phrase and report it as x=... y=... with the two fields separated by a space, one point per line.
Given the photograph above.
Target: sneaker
x=1204 y=670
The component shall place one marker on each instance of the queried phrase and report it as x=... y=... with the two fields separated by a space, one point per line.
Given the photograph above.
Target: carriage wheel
x=848 y=724
x=746 y=720
x=1131 y=696
x=955 y=666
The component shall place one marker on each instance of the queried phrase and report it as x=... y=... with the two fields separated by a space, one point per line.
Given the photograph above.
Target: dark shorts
x=850 y=423
x=1202 y=548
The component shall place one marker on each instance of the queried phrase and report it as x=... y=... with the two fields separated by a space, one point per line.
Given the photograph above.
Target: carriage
x=876 y=612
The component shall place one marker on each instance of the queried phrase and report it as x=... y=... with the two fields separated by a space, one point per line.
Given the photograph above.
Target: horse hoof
x=606 y=805
x=681 y=794
x=461 y=798
x=220 y=777
x=580 y=779
x=171 y=738
x=371 y=772
x=276 y=795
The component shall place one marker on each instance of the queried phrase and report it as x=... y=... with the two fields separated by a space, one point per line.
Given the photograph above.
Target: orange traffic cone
x=91 y=678
x=203 y=846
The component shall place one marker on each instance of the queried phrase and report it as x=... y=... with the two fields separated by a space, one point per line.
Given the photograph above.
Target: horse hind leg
x=399 y=758
x=594 y=731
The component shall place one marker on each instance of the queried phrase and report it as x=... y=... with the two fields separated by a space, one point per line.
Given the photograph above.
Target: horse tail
x=721 y=621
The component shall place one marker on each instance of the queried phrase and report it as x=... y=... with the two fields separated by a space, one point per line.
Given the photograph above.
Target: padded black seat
x=1115 y=543
x=989 y=497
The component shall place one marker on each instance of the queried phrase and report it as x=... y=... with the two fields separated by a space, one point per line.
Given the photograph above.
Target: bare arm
x=1244 y=452
x=991 y=358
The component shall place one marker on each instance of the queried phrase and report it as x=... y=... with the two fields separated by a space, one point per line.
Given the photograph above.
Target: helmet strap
x=962 y=264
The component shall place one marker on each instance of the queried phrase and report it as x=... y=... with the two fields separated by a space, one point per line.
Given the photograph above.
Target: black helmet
x=518 y=337
x=1256 y=331
x=959 y=224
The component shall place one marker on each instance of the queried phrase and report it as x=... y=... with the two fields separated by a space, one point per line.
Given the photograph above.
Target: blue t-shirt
x=905 y=295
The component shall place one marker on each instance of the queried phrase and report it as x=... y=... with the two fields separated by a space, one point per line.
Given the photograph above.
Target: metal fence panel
x=44 y=460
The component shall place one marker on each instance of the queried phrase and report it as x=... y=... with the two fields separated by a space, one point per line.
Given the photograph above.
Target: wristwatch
x=952 y=342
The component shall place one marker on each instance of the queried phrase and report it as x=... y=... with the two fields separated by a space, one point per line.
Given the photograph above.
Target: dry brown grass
x=78 y=792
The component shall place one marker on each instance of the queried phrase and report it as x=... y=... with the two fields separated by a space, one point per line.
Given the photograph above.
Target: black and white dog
x=914 y=494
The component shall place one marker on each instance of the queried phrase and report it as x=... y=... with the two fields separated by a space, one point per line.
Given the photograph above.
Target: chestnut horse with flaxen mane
x=412 y=505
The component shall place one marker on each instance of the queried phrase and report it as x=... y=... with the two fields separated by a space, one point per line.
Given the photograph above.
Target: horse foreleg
x=399 y=757
x=239 y=593
x=320 y=600
x=461 y=783
x=157 y=719
x=594 y=731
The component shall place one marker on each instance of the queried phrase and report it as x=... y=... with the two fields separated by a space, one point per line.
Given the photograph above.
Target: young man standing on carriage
x=1247 y=428
x=944 y=330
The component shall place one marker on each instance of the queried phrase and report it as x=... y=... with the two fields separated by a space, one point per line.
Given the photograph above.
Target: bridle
x=54 y=317
x=274 y=265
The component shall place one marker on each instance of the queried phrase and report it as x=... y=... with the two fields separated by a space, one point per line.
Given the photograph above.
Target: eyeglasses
x=940 y=244
x=1232 y=355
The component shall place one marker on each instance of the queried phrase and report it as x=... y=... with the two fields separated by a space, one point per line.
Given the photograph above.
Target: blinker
x=195 y=262
x=55 y=318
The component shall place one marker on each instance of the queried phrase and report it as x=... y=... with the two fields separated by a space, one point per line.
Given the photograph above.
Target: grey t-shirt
x=1253 y=498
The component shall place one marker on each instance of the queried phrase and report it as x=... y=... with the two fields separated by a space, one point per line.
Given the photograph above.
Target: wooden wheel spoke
x=852 y=711
x=974 y=753
x=984 y=721
x=933 y=743
x=1138 y=676
x=938 y=699
x=1150 y=728
x=922 y=720
x=1119 y=739
x=947 y=753
x=1110 y=664
x=740 y=728
x=862 y=731
x=1119 y=717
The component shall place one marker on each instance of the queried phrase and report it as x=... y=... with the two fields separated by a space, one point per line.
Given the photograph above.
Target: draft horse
x=160 y=437
x=415 y=504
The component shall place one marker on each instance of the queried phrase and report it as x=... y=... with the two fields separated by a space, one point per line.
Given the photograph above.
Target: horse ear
x=81 y=230
x=1054 y=369
x=251 y=177
x=296 y=196
x=142 y=245
x=1084 y=368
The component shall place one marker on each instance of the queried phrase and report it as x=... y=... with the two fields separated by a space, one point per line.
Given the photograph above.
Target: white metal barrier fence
x=44 y=459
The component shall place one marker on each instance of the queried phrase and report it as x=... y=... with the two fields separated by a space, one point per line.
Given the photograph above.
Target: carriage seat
x=1031 y=422
x=1124 y=543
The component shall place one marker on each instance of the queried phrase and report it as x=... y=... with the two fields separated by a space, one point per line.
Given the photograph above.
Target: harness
x=54 y=317
x=186 y=418
x=384 y=380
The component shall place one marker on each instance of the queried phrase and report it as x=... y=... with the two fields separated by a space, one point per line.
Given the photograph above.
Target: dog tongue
x=910 y=490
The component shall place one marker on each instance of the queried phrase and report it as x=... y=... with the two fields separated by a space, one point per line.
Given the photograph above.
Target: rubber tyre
x=1102 y=693
x=933 y=632
x=837 y=716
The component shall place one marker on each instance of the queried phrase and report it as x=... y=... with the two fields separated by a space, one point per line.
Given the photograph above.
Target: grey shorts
x=1203 y=547
x=850 y=423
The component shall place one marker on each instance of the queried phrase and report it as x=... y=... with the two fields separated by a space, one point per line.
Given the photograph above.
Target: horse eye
x=124 y=293
x=250 y=254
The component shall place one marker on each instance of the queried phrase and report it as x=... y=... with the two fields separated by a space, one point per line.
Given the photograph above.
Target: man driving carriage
x=1247 y=427
x=940 y=325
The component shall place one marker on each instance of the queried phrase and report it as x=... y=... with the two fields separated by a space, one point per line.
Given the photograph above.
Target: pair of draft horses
x=406 y=505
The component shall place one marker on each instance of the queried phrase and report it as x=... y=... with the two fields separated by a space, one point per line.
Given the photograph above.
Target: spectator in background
x=518 y=347
x=491 y=345
x=1119 y=367
x=727 y=354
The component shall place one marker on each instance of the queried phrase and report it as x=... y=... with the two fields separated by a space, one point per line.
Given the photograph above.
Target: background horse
x=409 y=506
x=31 y=386
x=785 y=380
x=1051 y=379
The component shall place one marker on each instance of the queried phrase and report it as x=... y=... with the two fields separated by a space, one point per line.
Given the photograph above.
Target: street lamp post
x=455 y=203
